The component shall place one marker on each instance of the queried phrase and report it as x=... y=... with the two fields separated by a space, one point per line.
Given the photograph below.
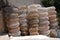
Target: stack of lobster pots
x=53 y=21
x=2 y=28
x=43 y=21
x=12 y=21
x=23 y=20
x=29 y=20
x=33 y=18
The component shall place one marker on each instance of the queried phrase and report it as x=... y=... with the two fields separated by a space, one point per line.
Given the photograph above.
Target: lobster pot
x=53 y=18
x=34 y=6
x=2 y=28
x=53 y=33
x=23 y=20
x=33 y=21
x=12 y=21
x=46 y=33
x=43 y=21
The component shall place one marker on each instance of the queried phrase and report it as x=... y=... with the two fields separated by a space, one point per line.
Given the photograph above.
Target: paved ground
x=5 y=37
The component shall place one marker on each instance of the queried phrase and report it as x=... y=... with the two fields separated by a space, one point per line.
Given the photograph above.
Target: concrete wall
x=23 y=2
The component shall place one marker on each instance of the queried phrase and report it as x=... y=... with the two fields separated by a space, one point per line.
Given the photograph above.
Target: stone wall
x=23 y=2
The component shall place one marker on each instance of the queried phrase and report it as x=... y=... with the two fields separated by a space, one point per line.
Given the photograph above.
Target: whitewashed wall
x=23 y=2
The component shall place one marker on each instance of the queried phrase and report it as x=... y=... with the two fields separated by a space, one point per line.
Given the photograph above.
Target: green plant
x=55 y=3
x=48 y=3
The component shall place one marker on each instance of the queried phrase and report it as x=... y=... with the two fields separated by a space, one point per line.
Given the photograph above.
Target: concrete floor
x=5 y=37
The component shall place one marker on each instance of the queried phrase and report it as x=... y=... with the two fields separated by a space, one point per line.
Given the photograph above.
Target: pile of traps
x=31 y=20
